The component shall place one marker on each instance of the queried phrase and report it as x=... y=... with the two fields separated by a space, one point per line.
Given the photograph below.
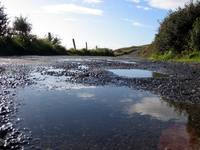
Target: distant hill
x=133 y=50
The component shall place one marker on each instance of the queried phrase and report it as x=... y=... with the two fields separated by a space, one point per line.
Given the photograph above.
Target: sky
x=105 y=23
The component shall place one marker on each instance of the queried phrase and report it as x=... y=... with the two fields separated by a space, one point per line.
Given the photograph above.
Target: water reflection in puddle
x=101 y=118
x=157 y=108
x=136 y=73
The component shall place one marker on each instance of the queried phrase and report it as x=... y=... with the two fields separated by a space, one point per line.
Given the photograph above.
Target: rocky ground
x=180 y=83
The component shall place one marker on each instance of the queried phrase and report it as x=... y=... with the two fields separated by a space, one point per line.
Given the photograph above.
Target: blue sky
x=106 y=23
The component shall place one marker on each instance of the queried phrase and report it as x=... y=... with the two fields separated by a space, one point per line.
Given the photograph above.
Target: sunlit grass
x=193 y=56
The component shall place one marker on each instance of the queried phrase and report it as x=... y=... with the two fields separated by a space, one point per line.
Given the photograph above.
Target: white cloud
x=168 y=4
x=143 y=7
x=72 y=8
x=152 y=106
x=92 y=1
x=127 y=20
x=162 y=4
x=137 y=24
x=71 y=19
x=134 y=1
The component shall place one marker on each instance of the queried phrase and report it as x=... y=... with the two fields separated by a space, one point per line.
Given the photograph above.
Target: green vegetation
x=185 y=56
x=18 y=40
x=178 y=37
x=92 y=52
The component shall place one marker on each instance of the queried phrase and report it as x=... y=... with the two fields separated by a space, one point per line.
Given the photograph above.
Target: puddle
x=62 y=115
x=103 y=118
x=56 y=70
x=51 y=82
x=122 y=61
x=136 y=73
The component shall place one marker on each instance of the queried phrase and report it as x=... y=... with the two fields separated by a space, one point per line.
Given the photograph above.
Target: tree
x=3 y=22
x=195 y=35
x=22 y=27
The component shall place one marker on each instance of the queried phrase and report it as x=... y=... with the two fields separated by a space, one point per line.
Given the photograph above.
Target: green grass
x=91 y=52
x=44 y=47
x=185 y=56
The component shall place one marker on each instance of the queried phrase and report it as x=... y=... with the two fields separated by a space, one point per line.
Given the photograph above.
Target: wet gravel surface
x=182 y=83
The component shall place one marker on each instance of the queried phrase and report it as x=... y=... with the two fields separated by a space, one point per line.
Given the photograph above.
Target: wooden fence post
x=74 y=43
x=86 y=46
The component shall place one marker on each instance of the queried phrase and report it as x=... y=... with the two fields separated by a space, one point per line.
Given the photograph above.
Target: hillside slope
x=130 y=51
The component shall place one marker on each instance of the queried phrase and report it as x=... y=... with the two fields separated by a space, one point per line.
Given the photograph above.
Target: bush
x=195 y=35
x=174 y=31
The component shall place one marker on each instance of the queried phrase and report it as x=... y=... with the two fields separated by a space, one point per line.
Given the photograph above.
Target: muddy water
x=62 y=116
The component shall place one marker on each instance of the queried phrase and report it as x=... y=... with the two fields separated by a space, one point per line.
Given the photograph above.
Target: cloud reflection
x=154 y=107
x=86 y=95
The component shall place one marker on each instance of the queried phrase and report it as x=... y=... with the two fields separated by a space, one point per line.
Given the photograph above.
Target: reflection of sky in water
x=154 y=107
x=86 y=95
x=136 y=73
x=55 y=82
x=121 y=61
x=132 y=73
x=63 y=113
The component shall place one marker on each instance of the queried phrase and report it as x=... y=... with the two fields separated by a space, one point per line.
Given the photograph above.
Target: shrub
x=195 y=35
x=174 y=31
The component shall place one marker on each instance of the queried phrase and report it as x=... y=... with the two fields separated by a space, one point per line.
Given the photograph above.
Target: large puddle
x=136 y=73
x=61 y=116
x=79 y=117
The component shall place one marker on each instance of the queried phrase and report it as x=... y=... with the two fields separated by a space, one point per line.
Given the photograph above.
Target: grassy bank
x=91 y=52
x=183 y=57
x=17 y=47
x=146 y=51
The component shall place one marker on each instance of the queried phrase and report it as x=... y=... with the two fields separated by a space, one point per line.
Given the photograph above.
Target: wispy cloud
x=72 y=8
x=127 y=20
x=167 y=4
x=137 y=24
x=142 y=25
x=134 y=1
x=138 y=4
x=160 y=4
x=143 y=7
x=93 y=1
